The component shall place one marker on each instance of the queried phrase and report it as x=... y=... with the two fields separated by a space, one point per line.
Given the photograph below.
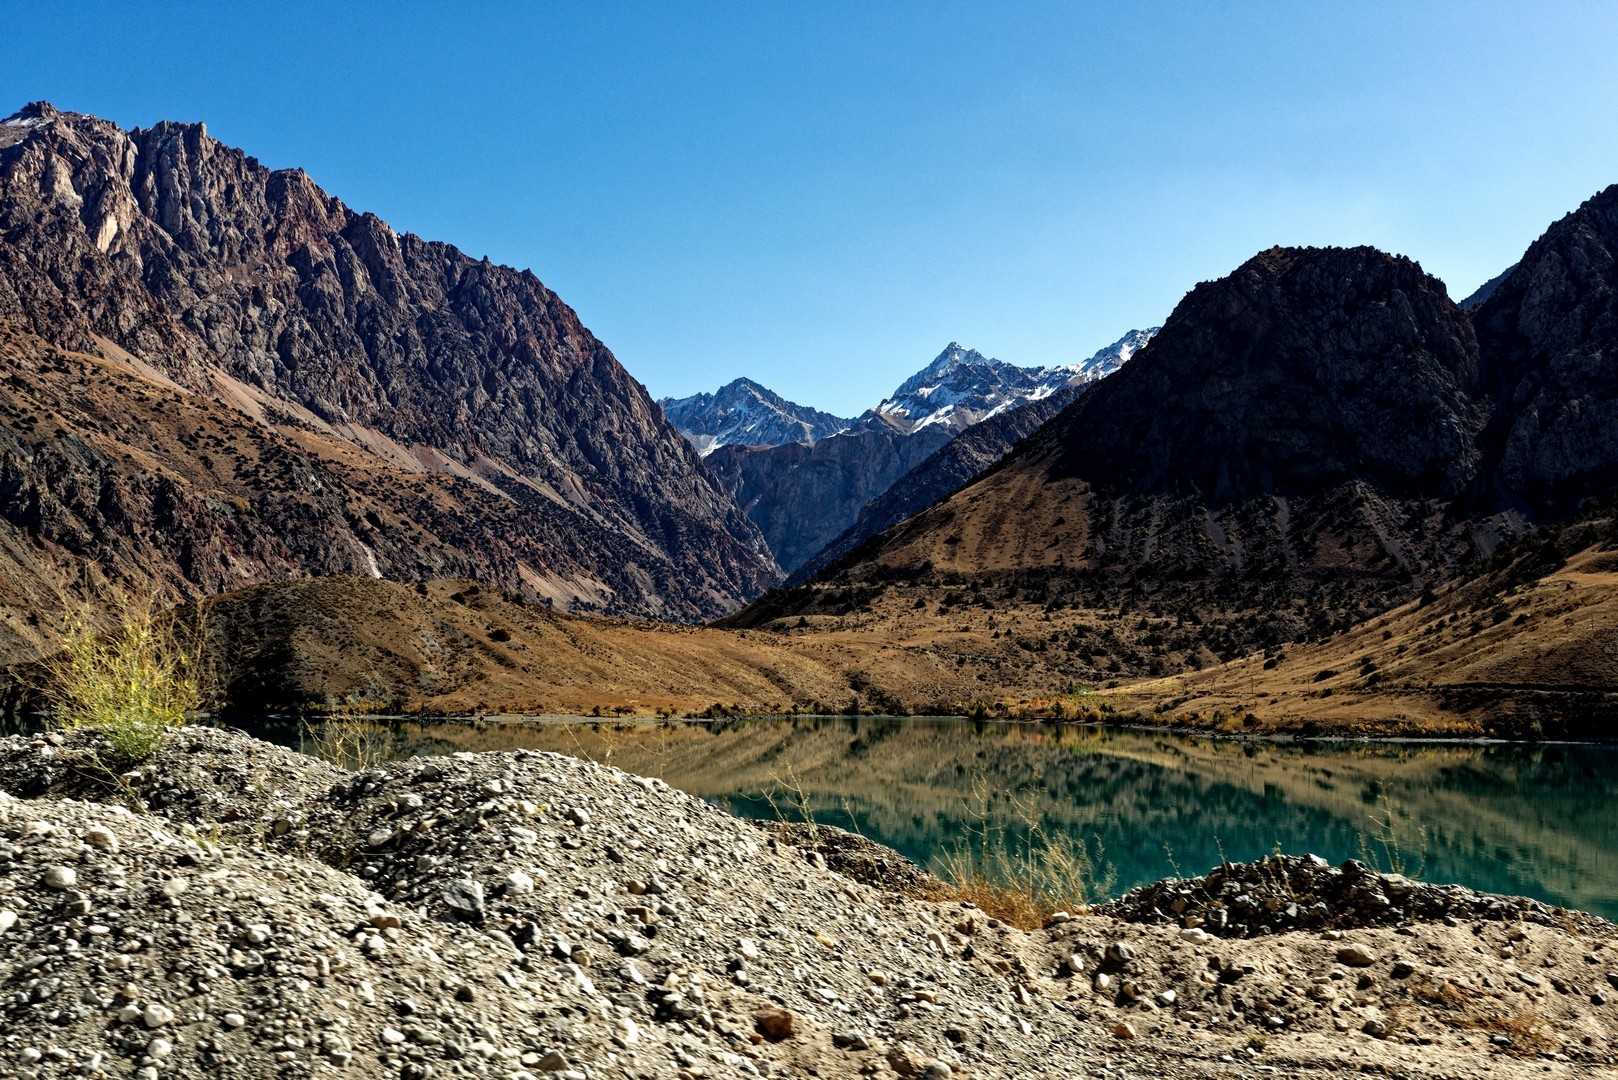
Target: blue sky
x=822 y=195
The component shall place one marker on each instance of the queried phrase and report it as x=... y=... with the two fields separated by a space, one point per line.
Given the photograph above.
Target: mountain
x=1486 y=290
x=745 y=413
x=429 y=411
x=940 y=474
x=962 y=387
x=1275 y=464
x=803 y=500
x=1548 y=337
x=802 y=495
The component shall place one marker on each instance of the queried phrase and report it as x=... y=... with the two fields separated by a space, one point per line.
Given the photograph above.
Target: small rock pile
x=1279 y=893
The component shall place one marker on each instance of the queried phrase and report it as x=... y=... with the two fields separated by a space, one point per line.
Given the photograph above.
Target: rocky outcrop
x=745 y=413
x=188 y=262
x=1549 y=339
x=1302 y=370
x=802 y=496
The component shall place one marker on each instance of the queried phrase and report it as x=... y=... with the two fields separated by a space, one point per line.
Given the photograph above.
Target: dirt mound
x=855 y=857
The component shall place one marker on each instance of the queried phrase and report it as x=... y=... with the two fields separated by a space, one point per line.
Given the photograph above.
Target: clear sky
x=822 y=195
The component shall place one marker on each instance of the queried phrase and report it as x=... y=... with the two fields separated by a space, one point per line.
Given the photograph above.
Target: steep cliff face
x=801 y=497
x=174 y=255
x=1549 y=338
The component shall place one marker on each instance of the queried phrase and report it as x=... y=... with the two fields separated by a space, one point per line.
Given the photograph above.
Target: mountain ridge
x=171 y=253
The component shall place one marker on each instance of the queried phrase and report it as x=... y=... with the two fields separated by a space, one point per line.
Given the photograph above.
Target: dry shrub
x=348 y=742
x=131 y=684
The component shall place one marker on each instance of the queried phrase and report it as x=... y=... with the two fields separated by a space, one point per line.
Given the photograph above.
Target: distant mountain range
x=959 y=388
x=805 y=477
x=744 y=413
x=1311 y=439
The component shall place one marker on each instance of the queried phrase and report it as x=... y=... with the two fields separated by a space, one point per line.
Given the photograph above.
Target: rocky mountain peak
x=1549 y=338
x=1303 y=368
x=744 y=413
x=168 y=249
x=34 y=110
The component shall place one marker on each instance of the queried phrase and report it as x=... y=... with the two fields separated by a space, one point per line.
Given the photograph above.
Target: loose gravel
x=233 y=909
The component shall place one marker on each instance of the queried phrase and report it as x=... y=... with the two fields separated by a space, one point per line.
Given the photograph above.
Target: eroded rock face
x=1549 y=335
x=801 y=497
x=165 y=248
x=1302 y=370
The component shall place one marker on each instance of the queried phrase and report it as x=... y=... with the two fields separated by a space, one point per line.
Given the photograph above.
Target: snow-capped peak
x=962 y=387
x=744 y=412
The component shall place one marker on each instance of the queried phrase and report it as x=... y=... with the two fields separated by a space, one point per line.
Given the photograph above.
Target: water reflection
x=1534 y=820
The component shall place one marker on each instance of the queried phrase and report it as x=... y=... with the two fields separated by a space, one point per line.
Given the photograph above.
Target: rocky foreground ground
x=230 y=908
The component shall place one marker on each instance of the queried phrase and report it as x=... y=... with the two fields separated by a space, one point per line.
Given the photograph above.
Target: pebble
x=61 y=877
x=464 y=895
x=156 y=1015
x=99 y=836
x=1124 y=1030
x=774 y=1024
x=907 y=1060
x=1356 y=955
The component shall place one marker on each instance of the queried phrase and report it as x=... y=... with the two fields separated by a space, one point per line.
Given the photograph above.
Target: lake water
x=1530 y=820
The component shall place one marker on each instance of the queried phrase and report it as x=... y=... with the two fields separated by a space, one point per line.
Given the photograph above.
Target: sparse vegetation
x=1022 y=875
x=131 y=684
x=349 y=742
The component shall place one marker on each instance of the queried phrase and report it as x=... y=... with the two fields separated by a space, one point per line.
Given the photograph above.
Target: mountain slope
x=941 y=474
x=801 y=496
x=180 y=257
x=1276 y=464
x=745 y=413
x=1520 y=647
x=1549 y=339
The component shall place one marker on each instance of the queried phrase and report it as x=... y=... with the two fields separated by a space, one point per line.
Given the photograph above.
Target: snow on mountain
x=962 y=387
x=745 y=413
x=1114 y=356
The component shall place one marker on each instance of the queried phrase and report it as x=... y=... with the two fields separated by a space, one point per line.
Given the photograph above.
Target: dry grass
x=349 y=742
x=1018 y=870
x=1457 y=1007
x=131 y=684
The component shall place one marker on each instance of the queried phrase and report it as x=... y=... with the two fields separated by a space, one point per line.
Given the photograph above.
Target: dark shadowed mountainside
x=1282 y=460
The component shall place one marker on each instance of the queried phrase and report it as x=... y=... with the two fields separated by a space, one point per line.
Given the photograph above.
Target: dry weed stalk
x=131 y=684
x=1022 y=876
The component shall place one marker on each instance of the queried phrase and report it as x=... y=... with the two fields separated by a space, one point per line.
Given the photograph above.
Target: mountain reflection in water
x=1530 y=820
